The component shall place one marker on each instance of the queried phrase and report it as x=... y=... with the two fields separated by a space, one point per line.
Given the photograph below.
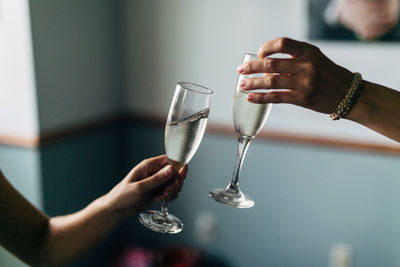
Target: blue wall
x=22 y=168
x=307 y=198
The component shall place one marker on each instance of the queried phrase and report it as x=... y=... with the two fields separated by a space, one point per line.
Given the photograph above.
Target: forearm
x=378 y=108
x=37 y=240
x=68 y=237
x=22 y=225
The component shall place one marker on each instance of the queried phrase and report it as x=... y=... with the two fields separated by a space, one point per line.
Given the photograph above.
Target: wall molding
x=19 y=141
x=317 y=141
x=214 y=128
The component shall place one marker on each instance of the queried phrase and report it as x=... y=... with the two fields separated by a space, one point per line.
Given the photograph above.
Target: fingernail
x=242 y=83
x=240 y=68
x=168 y=170
x=250 y=97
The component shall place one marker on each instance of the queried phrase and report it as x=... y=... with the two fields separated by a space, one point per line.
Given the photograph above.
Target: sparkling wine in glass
x=184 y=130
x=248 y=119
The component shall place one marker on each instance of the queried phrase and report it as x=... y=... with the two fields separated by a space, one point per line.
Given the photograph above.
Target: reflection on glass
x=248 y=119
x=186 y=123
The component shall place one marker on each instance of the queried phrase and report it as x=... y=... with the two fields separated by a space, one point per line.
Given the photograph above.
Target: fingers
x=273 y=97
x=182 y=172
x=172 y=190
x=148 y=167
x=282 y=45
x=157 y=179
x=154 y=164
x=270 y=82
x=270 y=65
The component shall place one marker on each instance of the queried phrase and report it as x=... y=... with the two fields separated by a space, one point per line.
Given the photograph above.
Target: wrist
x=359 y=112
x=106 y=206
x=347 y=103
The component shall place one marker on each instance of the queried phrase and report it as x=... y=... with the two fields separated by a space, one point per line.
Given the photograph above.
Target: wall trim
x=317 y=141
x=19 y=141
x=214 y=128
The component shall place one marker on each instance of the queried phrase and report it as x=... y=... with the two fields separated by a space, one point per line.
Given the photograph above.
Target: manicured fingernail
x=168 y=170
x=242 y=83
x=240 y=68
x=250 y=97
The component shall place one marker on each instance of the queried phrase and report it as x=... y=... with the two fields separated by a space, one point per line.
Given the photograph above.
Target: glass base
x=161 y=222
x=232 y=197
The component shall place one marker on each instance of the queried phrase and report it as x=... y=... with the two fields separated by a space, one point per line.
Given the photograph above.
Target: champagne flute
x=248 y=119
x=184 y=129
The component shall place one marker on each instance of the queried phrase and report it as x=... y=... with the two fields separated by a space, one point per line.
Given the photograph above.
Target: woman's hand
x=39 y=240
x=151 y=180
x=309 y=78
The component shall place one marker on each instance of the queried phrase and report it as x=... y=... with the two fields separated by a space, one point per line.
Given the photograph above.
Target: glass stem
x=164 y=207
x=243 y=144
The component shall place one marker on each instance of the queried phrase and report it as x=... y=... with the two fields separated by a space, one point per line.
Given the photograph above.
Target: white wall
x=18 y=115
x=75 y=48
x=18 y=107
x=199 y=41
x=75 y=60
x=76 y=53
x=203 y=42
x=75 y=65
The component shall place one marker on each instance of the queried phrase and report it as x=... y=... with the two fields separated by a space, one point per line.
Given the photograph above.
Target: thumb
x=159 y=178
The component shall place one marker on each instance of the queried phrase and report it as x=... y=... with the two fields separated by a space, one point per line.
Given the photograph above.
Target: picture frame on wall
x=354 y=20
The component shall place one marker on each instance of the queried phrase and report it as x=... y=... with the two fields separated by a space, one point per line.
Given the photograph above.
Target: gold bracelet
x=346 y=104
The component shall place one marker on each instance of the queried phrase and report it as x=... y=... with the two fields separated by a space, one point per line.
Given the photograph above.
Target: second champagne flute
x=248 y=119
x=186 y=123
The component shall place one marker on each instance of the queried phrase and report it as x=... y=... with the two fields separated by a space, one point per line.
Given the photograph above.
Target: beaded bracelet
x=346 y=104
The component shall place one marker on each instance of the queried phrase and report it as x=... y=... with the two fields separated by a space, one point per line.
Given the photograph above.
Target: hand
x=310 y=79
x=369 y=19
x=149 y=181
